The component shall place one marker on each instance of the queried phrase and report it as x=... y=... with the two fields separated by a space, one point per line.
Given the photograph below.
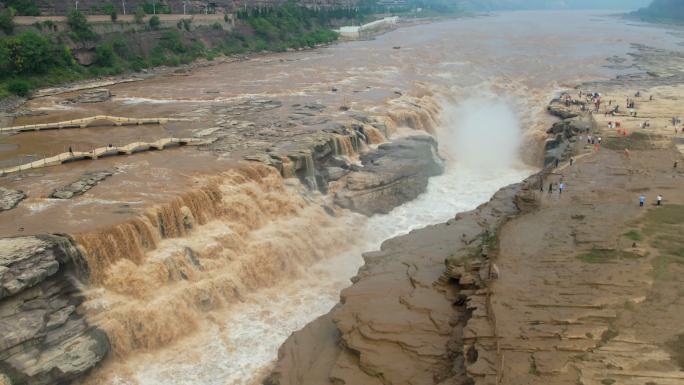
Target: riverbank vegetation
x=38 y=56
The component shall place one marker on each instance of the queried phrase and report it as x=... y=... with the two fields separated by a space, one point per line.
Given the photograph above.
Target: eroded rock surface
x=86 y=182
x=93 y=96
x=563 y=134
x=395 y=173
x=402 y=321
x=9 y=198
x=43 y=339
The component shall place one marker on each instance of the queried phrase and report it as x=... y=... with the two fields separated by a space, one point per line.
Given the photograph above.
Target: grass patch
x=677 y=347
x=634 y=235
x=606 y=255
x=665 y=228
x=608 y=335
x=533 y=368
x=634 y=141
x=669 y=215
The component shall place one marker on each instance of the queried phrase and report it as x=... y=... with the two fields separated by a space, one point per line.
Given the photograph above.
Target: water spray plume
x=481 y=132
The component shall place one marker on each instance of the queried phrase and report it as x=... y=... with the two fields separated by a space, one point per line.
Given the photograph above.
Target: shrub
x=19 y=87
x=7 y=20
x=172 y=42
x=104 y=55
x=185 y=24
x=154 y=22
x=217 y=26
x=49 y=24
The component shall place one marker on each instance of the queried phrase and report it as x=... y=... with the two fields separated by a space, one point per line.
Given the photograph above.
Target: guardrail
x=96 y=153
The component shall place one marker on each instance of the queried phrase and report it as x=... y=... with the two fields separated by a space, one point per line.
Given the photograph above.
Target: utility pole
x=77 y=5
x=184 y=4
x=123 y=5
x=154 y=7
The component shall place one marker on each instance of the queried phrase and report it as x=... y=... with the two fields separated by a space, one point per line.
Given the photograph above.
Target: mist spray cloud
x=481 y=132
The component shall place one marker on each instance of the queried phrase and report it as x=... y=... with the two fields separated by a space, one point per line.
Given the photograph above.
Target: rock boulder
x=86 y=182
x=43 y=339
x=394 y=173
x=9 y=198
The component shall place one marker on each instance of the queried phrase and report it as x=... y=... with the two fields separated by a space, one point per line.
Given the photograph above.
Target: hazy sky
x=556 y=4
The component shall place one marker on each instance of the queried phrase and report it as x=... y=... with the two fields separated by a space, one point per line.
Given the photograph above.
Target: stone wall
x=57 y=7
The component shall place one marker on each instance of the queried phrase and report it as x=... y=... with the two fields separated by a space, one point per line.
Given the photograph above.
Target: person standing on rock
x=550 y=188
x=642 y=200
x=557 y=161
x=561 y=186
x=659 y=200
x=572 y=160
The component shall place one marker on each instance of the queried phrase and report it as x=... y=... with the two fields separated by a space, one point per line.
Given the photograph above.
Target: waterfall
x=156 y=277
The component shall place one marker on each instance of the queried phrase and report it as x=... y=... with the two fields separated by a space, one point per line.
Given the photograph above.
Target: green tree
x=4 y=58
x=29 y=53
x=139 y=15
x=23 y=7
x=7 y=20
x=108 y=9
x=154 y=22
x=78 y=23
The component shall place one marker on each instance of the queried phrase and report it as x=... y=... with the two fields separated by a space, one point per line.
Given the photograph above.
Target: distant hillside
x=671 y=11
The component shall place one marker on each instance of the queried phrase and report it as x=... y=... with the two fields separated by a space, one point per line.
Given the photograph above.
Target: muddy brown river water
x=272 y=258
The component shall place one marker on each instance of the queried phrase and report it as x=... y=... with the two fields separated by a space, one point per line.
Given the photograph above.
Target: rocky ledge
x=395 y=173
x=9 y=199
x=43 y=338
x=403 y=320
x=86 y=182
x=563 y=133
